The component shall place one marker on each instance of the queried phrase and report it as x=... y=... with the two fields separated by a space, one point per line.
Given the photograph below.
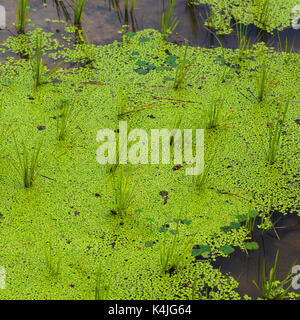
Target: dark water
x=102 y=20
x=248 y=267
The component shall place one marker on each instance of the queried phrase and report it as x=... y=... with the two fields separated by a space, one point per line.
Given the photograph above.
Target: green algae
x=70 y=204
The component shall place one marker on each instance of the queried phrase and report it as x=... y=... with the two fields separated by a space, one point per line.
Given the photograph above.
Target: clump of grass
x=275 y=133
x=182 y=69
x=265 y=82
x=87 y=48
x=78 y=12
x=287 y=53
x=124 y=192
x=202 y=179
x=102 y=288
x=213 y=114
x=244 y=46
x=27 y=164
x=273 y=289
x=38 y=68
x=174 y=253
x=53 y=262
x=168 y=23
x=64 y=119
x=22 y=16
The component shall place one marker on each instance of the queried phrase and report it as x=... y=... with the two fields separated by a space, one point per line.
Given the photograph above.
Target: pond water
x=102 y=21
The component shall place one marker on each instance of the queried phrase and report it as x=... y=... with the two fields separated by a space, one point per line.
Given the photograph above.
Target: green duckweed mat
x=59 y=238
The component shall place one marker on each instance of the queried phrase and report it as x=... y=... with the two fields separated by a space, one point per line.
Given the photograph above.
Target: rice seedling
x=244 y=46
x=87 y=48
x=78 y=12
x=287 y=53
x=102 y=285
x=182 y=69
x=275 y=129
x=213 y=114
x=38 y=68
x=27 y=165
x=168 y=23
x=202 y=179
x=53 y=262
x=174 y=253
x=124 y=192
x=64 y=119
x=265 y=82
x=22 y=16
x=272 y=288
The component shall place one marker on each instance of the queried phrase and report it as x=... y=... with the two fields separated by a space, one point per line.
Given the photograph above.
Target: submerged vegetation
x=133 y=230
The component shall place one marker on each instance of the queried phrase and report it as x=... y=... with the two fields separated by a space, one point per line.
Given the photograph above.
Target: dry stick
x=231 y=194
x=172 y=99
x=95 y=83
x=47 y=177
x=138 y=109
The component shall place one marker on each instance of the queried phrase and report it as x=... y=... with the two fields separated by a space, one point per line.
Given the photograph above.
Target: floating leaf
x=144 y=39
x=141 y=63
x=149 y=244
x=130 y=34
x=171 y=61
x=150 y=219
x=186 y=221
x=220 y=60
x=227 y=249
x=242 y=218
x=252 y=245
x=253 y=213
x=203 y=250
x=226 y=228
x=141 y=71
x=235 y=225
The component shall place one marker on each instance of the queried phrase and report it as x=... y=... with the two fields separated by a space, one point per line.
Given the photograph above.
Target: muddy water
x=103 y=18
x=248 y=267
